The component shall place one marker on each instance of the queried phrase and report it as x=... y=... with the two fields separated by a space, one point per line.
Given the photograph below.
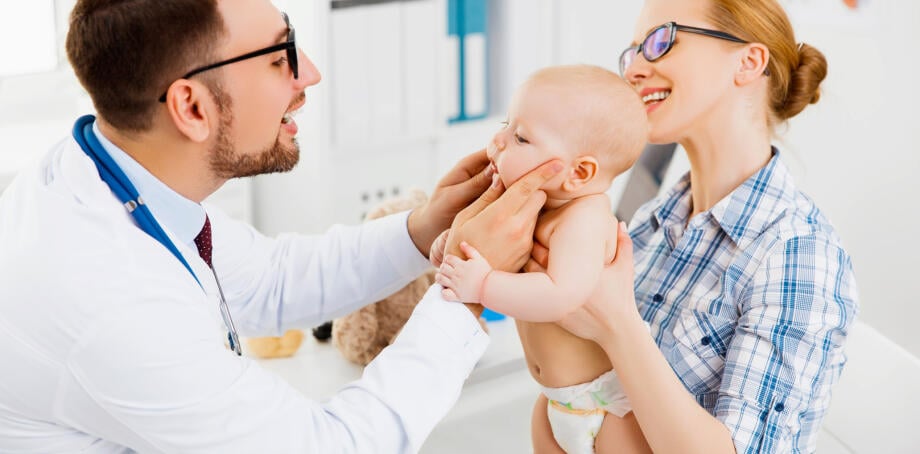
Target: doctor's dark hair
x=126 y=53
x=796 y=70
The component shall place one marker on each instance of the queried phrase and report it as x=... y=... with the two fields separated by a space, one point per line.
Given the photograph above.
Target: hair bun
x=805 y=81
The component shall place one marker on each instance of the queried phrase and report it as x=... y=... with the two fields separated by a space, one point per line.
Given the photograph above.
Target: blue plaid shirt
x=750 y=303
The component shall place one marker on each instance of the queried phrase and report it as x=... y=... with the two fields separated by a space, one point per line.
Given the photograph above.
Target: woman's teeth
x=286 y=119
x=657 y=96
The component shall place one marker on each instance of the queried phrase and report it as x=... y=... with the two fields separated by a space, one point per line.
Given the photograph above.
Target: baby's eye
x=519 y=139
x=504 y=124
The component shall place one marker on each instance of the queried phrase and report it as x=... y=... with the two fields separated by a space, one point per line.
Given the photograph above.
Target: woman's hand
x=612 y=300
x=500 y=223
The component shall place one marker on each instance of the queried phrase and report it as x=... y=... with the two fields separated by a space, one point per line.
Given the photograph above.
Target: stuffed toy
x=275 y=346
x=361 y=335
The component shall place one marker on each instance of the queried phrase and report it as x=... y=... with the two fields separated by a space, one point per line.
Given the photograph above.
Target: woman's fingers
x=624 y=255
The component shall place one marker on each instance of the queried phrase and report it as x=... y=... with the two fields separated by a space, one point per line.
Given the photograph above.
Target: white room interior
x=378 y=125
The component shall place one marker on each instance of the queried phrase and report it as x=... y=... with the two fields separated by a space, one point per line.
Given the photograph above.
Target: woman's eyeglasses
x=660 y=41
x=290 y=46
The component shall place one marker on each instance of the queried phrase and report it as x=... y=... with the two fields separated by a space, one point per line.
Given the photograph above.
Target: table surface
x=318 y=370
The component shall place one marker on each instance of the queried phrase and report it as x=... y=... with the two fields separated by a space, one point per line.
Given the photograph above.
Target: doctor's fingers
x=471 y=181
x=520 y=196
x=523 y=195
x=540 y=255
x=473 y=167
x=532 y=266
x=436 y=254
x=443 y=280
x=449 y=295
x=485 y=200
x=451 y=261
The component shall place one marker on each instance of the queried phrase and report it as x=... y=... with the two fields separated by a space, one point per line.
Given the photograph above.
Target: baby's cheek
x=511 y=170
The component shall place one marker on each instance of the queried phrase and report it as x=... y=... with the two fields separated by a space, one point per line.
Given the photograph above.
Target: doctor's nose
x=307 y=72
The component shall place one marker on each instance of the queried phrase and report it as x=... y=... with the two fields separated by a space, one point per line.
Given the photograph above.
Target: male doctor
x=114 y=280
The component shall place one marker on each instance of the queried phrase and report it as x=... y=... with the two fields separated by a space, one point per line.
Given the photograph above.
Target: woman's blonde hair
x=795 y=70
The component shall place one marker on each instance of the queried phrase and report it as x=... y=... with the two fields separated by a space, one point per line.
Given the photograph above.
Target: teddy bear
x=361 y=335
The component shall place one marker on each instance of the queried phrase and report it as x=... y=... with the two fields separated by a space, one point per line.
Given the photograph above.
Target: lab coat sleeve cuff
x=457 y=324
x=401 y=249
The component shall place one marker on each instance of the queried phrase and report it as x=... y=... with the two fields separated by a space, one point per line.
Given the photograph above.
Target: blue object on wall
x=467 y=19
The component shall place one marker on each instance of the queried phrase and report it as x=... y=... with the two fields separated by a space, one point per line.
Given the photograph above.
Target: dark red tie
x=203 y=241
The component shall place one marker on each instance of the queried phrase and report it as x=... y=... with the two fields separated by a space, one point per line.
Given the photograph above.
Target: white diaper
x=576 y=412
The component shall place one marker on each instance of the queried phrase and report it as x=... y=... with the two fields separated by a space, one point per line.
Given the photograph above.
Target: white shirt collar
x=183 y=217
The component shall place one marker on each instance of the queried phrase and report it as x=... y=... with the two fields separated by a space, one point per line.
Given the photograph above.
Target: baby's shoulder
x=574 y=216
x=594 y=206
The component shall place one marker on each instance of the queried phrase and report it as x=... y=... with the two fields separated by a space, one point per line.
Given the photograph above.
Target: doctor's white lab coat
x=107 y=343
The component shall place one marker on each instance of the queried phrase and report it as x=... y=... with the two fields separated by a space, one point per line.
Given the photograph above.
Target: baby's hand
x=463 y=279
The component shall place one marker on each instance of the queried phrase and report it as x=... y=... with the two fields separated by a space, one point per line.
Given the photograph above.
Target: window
x=27 y=37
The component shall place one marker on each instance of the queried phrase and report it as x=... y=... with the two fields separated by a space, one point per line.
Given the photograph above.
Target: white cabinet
x=383 y=73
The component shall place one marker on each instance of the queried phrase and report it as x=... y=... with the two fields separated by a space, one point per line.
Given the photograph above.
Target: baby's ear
x=584 y=169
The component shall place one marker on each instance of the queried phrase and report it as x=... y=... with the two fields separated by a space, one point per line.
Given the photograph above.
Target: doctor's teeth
x=657 y=96
x=286 y=119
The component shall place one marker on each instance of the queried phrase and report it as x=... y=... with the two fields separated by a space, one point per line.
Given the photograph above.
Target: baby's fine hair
x=614 y=125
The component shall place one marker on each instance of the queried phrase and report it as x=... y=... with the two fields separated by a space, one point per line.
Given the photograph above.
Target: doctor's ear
x=753 y=63
x=190 y=106
x=584 y=169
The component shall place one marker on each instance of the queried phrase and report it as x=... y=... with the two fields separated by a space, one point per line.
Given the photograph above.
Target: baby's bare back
x=555 y=357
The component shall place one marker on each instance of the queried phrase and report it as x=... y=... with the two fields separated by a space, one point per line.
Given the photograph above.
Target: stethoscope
x=119 y=183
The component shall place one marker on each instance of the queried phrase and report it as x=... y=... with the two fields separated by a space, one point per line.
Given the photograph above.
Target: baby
x=595 y=123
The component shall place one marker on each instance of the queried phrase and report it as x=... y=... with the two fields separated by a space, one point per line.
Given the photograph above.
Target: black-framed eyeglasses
x=660 y=41
x=290 y=45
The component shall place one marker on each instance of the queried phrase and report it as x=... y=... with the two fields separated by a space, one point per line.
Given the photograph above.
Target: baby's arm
x=576 y=258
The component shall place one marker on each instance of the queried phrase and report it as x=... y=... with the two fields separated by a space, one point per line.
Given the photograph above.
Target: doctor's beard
x=226 y=162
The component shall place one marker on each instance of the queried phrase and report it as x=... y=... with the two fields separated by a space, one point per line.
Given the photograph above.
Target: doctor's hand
x=460 y=186
x=436 y=256
x=501 y=222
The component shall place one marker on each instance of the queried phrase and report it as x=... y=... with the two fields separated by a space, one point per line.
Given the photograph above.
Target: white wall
x=858 y=151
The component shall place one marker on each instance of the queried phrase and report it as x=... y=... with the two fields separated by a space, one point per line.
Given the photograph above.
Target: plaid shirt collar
x=744 y=214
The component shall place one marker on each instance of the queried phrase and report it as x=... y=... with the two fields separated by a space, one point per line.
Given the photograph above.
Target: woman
x=744 y=282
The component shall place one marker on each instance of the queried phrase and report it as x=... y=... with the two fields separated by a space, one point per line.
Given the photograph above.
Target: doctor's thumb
x=495 y=190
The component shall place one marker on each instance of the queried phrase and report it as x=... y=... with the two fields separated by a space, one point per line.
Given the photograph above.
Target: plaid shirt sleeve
x=787 y=350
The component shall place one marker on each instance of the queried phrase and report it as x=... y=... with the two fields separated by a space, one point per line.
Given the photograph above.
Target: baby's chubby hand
x=463 y=280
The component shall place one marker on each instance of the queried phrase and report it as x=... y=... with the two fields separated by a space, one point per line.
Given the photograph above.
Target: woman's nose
x=639 y=70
